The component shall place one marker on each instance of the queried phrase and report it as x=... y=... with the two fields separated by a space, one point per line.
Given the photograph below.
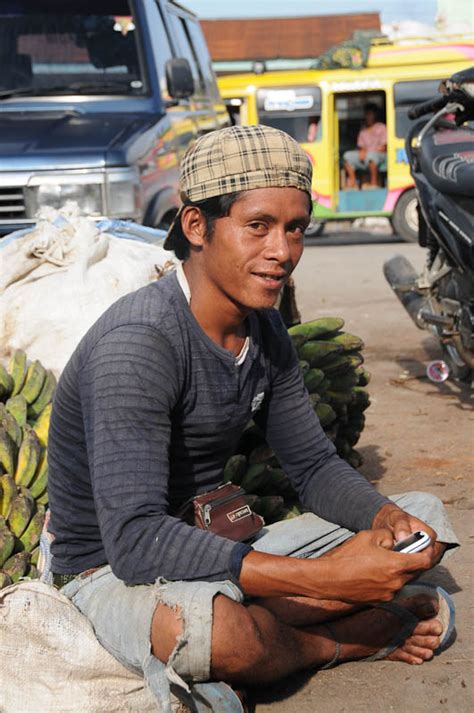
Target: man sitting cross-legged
x=146 y=414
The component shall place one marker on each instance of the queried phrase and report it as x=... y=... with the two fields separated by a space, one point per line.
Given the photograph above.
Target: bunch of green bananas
x=331 y=363
x=26 y=392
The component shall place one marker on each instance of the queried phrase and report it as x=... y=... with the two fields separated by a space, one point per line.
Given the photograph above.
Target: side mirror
x=179 y=79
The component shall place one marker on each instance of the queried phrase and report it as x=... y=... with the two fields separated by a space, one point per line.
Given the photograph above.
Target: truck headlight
x=55 y=195
x=122 y=199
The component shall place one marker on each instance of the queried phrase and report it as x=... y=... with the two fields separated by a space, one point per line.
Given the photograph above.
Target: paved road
x=419 y=436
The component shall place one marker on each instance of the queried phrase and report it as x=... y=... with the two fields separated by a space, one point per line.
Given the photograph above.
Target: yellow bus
x=324 y=111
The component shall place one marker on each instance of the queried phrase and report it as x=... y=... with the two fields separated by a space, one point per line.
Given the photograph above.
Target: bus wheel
x=315 y=228
x=405 y=217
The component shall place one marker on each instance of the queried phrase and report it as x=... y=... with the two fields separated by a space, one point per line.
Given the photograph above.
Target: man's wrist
x=265 y=575
x=382 y=516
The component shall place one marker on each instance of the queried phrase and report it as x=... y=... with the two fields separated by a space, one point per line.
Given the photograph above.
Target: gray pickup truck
x=98 y=102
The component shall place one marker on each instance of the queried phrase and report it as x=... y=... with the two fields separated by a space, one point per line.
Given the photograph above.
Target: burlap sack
x=51 y=661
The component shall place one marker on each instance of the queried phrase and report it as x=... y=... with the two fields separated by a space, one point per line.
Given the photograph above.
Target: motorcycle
x=440 y=152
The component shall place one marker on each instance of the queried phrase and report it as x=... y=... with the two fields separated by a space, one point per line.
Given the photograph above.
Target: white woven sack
x=51 y=661
x=57 y=280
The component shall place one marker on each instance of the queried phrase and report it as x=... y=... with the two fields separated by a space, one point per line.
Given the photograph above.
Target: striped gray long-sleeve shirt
x=145 y=415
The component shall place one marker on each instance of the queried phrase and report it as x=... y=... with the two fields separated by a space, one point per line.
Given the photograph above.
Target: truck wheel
x=315 y=229
x=405 y=217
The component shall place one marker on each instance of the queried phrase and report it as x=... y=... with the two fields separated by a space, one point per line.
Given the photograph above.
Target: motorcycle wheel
x=458 y=368
x=315 y=229
x=405 y=217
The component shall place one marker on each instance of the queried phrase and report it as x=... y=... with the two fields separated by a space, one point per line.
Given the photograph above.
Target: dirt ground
x=419 y=436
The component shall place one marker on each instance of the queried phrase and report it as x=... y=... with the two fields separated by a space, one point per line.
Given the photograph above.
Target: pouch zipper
x=208 y=507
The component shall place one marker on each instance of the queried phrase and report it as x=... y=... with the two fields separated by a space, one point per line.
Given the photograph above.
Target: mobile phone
x=416 y=542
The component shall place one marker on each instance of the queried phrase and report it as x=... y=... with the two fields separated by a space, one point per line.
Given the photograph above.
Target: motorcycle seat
x=447 y=160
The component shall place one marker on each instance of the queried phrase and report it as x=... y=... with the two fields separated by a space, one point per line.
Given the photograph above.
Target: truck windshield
x=57 y=47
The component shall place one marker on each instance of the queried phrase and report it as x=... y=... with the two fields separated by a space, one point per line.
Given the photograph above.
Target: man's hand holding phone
x=401 y=524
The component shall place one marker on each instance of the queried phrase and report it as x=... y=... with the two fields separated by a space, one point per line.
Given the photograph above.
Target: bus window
x=405 y=95
x=297 y=111
x=362 y=120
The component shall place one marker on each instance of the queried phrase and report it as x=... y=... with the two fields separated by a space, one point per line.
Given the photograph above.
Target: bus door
x=361 y=175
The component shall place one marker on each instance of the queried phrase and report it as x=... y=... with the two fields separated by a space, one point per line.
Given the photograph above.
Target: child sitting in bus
x=371 y=149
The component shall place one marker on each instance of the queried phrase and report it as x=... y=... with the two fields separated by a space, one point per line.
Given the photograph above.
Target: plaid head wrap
x=241 y=158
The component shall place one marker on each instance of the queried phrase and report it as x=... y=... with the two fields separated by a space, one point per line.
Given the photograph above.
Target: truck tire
x=405 y=217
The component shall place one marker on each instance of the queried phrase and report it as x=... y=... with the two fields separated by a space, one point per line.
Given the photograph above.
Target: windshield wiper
x=73 y=88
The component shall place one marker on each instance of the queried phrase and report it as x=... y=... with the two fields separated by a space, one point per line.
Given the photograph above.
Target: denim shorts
x=352 y=157
x=122 y=615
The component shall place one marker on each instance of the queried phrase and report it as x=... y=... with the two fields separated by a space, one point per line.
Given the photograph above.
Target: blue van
x=98 y=102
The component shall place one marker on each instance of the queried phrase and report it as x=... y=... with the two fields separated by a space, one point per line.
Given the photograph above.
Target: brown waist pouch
x=225 y=512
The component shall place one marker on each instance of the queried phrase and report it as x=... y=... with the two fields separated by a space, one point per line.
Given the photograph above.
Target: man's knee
x=237 y=642
x=166 y=628
x=350 y=157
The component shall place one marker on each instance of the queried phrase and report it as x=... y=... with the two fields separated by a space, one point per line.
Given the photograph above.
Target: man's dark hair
x=374 y=108
x=211 y=209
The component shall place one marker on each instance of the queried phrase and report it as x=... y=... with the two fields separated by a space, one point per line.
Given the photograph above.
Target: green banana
x=17 y=406
x=6 y=383
x=314 y=399
x=10 y=425
x=364 y=376
x=270 y=507
x=43 y=499
x=322 y=387
x=17 y=566
x=41 y=425
x=349 y=342
x=317 y=328
x=317 y=352
x=8 y=452
x=17 y=368
x=277 y=483
x=298 y=340
x=326 y=414
x=356 y=421
x=35 y=377
x=21 y=511
x=342 y=364
x=35 y=556
x=354 y=458
x=342 y=446
x=28 y=457
x=339 y=398
x=304 y=366
x=40 y=481
x=234 y=469
x=9 y=491
x=33 y=572
x=261 y=454
x=313 y=378
x=254 y=477
x=7 y=543
x=32 y=534
x=343 y=382
x=361 y=398
x=251 y=499
x=294 y=512
x=5 y=580
x=44 y=398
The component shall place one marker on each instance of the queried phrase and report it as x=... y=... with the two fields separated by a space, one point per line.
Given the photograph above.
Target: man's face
x=254 y=249
x=370 y=117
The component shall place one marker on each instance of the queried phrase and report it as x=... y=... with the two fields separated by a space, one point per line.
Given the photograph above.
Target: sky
x=390 y=10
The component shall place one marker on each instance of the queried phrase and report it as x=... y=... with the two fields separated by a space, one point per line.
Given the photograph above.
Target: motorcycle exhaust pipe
x=401 y=276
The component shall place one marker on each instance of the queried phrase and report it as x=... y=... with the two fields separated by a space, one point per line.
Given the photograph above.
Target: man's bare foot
x=363 y=634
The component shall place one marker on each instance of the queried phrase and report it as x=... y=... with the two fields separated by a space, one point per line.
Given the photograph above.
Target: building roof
x=287 y=37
